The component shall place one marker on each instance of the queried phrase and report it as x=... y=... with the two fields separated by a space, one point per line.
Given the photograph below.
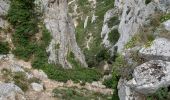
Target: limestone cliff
x=60 y=24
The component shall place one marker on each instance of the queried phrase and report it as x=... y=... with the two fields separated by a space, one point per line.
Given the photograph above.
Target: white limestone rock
x=9 y=91
x=159 y=50
x=167 y=25
x=150 y=76
x=4 y=6
x=60 y=24
x=106 y=29
x=126 y=93
x=134 y=14
x=37 y=87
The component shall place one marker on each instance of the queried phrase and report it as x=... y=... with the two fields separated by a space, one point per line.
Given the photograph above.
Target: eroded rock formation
x=60 y=24
x=134 y=14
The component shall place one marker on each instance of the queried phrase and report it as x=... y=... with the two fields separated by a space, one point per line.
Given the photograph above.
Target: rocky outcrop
x=9 y=91
x=106 y=29
x=63 y=42
x=167 y=25
x=4 y=6
x=150 y=76
x=134 y=14
x=126 y=93
x=159 y=50
x=37 y=87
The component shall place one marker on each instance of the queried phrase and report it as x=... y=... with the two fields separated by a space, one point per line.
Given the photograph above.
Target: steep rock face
x=59 y=23
x=134 y=14
x=150 y=76
x=106 y=29
x=4 y=6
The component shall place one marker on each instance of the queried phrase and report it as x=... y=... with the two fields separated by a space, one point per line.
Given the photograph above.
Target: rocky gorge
x=84 y=49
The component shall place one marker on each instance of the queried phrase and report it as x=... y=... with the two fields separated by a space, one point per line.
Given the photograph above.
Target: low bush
x=4 y=48
x=113 y=21
x=77 y=74
x=78 y=94
x=109 y=82
x=22 y=16
x=114 y=36
x=147 y=1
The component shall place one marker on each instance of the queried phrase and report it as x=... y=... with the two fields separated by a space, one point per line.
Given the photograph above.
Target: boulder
x=9 y=91
x=126 y=93
x=150 y=76
x=16 y=68
x=39 y=74
x=37 y=87
x=159 y=50
x=167 y=25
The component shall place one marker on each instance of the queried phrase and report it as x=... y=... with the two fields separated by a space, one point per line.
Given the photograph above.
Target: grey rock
x=86 y=22
x=159 y=50
x=150 y=76
x=126 y=93
x=4 y=6
x=106 y=29
x=60 y=24
x=134 y=14
x=9 y=91
x=16 y=68
x=167 y=25
x=37 y=87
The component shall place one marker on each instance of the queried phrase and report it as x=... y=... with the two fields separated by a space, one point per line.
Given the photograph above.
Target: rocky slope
x=93 y=40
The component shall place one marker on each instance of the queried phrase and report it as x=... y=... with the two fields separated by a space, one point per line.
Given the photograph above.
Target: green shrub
x=108 y=83
x=147 y=1
x=113 y=21
x=24 y=20
x=4 y=48
x=114 y=36
x=77 y=74
x=102 y=55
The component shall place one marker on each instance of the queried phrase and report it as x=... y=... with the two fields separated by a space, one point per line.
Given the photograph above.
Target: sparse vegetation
x=19 y=78
x=145 y=39
x=161 y=94
x=77 y=94
x=82 y=35
x=165 y=17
